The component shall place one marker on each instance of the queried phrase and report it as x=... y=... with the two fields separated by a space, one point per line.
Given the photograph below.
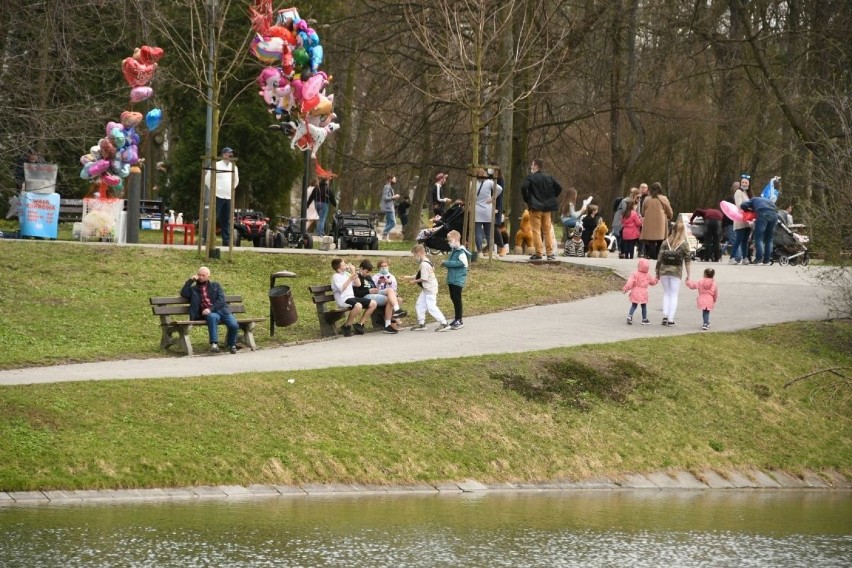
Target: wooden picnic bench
x=176 y=331
x=329 y=313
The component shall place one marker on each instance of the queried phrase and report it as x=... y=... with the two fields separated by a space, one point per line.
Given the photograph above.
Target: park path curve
x=749 y=297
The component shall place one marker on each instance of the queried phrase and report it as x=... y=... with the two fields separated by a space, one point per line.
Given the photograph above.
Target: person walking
x=656 y=214
x=207 y=302
x=674 y=256
x=457 y=265
x=322 y=198
x=540 y=191
x=388 y=206
x=227 y=179
x=311 y=216
x=708 y=294
x=487 y=191
x=438 y=194
x=764 y=227
x=637 y=285
x=428 y=298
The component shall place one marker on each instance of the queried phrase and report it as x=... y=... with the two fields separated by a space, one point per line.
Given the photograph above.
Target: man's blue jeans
x=322 y=212
x=229 y=321
x=764 y=233
x=390 y=222
x=223 y=215
x=740 y=244
x=729 y=238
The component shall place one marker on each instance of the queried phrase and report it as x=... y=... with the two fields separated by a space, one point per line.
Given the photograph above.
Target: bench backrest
x=321 y=294
x=178 y=305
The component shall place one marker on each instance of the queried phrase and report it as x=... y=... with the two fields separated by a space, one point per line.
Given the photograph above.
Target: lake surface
x=621 y=528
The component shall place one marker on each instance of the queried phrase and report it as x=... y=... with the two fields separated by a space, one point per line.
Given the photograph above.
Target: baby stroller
x=435 y=238
x=789 y=247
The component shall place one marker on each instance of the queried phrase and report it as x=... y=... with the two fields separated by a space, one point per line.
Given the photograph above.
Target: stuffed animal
x=598 y=245
x=523 y=238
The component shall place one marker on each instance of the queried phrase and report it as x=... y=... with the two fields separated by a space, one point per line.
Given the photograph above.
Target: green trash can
x=282 y=306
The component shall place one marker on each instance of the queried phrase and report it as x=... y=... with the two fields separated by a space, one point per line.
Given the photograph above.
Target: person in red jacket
x=631 y=228
x=712 y=230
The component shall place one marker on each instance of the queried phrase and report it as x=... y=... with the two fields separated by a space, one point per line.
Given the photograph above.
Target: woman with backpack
x=673 y=257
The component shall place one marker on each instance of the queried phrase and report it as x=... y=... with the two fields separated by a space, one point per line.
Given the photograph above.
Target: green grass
x=652 y=404
x=64 y=302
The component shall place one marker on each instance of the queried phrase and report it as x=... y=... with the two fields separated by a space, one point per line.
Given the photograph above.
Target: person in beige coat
x=656 y=213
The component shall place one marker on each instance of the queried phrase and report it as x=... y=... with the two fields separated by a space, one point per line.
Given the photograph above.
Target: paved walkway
x=749 y=297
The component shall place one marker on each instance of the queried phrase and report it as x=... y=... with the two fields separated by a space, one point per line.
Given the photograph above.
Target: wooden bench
x=176 y=331
x=329 y=313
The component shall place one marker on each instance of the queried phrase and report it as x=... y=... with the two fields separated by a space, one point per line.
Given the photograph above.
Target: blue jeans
x=740 y=244
x=322 y=211
x=230 y=322
x=390 y=222
x=764 y=233
x=729 y=239
x=223 y=215
x=482 y=234
x=705 y=314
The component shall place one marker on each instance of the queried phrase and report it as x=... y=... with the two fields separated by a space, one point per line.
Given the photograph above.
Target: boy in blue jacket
x=456 y=264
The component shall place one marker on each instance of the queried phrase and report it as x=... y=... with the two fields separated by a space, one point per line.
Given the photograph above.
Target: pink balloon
x=733 y=212
x=98 y=168
x=111 y=180
x=139 y=94
x=313 y=86
x=110 y=125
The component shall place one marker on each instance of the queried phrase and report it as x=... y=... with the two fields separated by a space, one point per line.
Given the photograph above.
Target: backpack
x=617 y=204
x=671 y=257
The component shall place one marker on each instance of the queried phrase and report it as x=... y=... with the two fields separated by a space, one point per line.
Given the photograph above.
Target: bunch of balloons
x=292 y=85
x=108 y=162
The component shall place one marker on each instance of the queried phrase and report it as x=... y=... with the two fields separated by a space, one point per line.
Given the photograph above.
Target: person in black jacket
x=322 y=197
x=207 y=302
x=540 y=191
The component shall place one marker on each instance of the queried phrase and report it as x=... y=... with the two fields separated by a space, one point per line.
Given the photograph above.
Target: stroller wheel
x=805 y=259
x=783 y=260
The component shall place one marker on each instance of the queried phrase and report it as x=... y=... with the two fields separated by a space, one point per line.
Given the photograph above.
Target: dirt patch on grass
x=576 y=383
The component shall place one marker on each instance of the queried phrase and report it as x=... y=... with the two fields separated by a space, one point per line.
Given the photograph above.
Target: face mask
x=454 y=245
x=384 y=271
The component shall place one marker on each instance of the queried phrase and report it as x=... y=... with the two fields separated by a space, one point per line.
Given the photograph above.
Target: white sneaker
x=419 y=327
x=745 y=262
x=443 y=327
x=733 y=261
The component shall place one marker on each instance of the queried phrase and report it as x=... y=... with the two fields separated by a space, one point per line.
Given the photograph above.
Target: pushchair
x=435 y=238
x=789 y=247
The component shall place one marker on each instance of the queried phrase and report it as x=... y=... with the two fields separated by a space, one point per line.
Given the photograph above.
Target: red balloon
x=137 y=74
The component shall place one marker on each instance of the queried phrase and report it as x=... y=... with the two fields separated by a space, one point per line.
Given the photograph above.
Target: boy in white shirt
x=341 y=285
x=428 y=298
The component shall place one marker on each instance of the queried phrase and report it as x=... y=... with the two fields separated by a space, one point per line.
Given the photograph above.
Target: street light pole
x=208 y=226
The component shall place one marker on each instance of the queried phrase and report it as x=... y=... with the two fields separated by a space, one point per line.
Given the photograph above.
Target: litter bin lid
x=279 y=291
x=284 y=274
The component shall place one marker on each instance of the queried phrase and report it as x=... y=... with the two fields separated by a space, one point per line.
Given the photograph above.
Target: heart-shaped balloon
x=139 y=94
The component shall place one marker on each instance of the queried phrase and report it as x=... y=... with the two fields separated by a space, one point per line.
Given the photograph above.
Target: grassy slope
x=714 y=400
x=63 y=302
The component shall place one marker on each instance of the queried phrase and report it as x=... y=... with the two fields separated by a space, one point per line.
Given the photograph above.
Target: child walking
x=707 y=295
x=456 y=265
x=428 y=298
x=637 y=285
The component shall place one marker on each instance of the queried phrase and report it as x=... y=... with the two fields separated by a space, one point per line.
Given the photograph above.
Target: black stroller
x=789 y=247
x=435 y=238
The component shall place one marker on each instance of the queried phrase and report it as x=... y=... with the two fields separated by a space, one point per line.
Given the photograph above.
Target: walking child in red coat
x=707 y=294
x=637 y=285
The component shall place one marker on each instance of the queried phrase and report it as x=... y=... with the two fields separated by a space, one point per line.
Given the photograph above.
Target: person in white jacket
x=227 y=179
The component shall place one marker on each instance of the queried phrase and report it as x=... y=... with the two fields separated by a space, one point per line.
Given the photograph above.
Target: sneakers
x=400 y=313
x=733 y=261
x=551 y=257
x=390 y=329
x=629 y=320
x=744 y=262
x=767 y=263
x=646 y=322
x=232 y=349
x=535 y=257
x=665 y=321
x=443 y=327
x=214 y=348
x=419 y=327
x=347 y=330
x=359 y=328
x=457 y=324
x=705 y=326
x=672 y=323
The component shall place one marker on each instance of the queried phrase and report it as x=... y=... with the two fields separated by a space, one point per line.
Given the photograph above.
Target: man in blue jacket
x=764 y=227
x=207 y=302
x=540 y=191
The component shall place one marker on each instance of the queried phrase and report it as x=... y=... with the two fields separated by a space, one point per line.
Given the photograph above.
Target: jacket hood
x=644 y=265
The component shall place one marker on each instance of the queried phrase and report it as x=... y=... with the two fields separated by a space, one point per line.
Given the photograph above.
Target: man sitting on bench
x=207 y=302
x=365 y=287
x=341 y=285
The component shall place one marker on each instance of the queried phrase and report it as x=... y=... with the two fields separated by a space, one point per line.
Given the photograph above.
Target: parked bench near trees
x=176 y=331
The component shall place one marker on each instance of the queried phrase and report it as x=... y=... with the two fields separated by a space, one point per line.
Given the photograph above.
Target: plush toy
x=523 y=238
x=598 y=245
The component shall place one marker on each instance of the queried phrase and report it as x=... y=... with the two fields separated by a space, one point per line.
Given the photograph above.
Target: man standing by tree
x=388 y=206
x=540 y=191
x=223 y=192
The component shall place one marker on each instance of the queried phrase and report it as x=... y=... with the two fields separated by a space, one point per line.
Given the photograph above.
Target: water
x=631 y=528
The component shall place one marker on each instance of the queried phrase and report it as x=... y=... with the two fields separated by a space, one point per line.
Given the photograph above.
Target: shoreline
x=679 y=480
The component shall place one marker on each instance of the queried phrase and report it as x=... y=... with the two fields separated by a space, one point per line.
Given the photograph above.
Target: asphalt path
x=749 y=297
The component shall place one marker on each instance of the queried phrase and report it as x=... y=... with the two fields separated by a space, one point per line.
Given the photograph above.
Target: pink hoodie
x=638 y=283
x=707 y=292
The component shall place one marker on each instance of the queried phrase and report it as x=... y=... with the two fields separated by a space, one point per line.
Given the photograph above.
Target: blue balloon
x=153 y=118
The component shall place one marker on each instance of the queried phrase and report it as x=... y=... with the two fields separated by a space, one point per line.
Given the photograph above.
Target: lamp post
x=210 y=134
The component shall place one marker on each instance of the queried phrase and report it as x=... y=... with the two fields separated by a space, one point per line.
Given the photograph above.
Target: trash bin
x=282 y=306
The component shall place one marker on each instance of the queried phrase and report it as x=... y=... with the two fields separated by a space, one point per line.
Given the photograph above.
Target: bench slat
x=183 y=309
x=164 y=301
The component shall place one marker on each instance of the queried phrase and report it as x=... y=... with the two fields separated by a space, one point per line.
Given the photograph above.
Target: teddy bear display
x=524 y=238
x=598 y=245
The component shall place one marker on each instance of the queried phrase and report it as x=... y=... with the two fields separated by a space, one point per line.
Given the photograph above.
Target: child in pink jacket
x=707 y=294
x=637 y=285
